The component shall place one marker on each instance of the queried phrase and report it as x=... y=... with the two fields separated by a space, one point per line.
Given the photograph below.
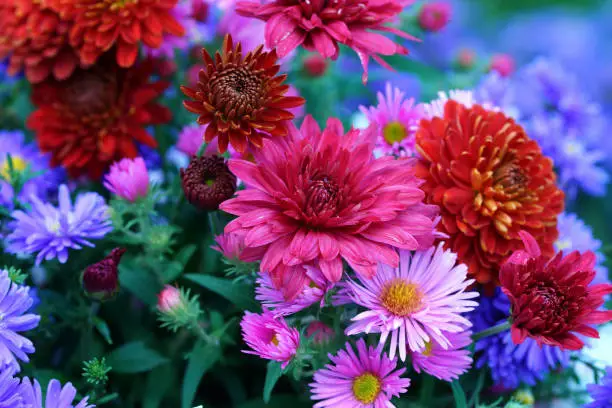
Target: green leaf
x=273 y=374
x=202 y=358
x=139 y=282
x=158 y=385
x=239 y=294
x=459 y=394
x=134 y=357
x=103 y=329
x=278 y=401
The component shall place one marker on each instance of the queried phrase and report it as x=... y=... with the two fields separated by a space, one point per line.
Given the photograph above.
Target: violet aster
x=366 y=379
x=57 y=396
x=602 y=392
x=50 y=231
x=9 y=395
x=15 y=302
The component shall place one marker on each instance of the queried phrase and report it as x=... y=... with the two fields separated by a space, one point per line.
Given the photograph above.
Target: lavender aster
x=602 y=392
x=15 y=302
x=9 y=396
x=56 y=396
x=50 y=231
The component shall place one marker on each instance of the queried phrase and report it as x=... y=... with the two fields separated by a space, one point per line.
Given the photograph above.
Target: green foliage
x=239 y=294
x=273 y=374
x=134 y=357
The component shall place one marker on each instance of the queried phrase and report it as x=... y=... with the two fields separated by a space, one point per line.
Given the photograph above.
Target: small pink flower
x=190 y=139
x=503 y=64
x=435 y=16
x=232 y=247
x=269 y=337
x=169 y=299
x=445 y=364
x=320 y=332
x=128 y=178
x=315 y=65
x=466 y=58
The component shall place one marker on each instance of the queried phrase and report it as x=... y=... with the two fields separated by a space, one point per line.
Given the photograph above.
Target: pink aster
x=128 y=178
x=320 y=26
x=445 y=364
x=313 y=292
x=246 y=31
x=322 y=197
x=418 y=302
x=396 y=120
x=232 y=246
x=366 y=379
x=269 y=337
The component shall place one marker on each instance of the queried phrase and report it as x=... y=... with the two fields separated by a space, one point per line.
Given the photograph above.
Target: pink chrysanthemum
x=419 y=302
x=367 y=379
x=445 y=364
x=274 y=299
x=396 y=120
x=321 y=196
x=320 y=26
x=128 y=178
x=270 y=337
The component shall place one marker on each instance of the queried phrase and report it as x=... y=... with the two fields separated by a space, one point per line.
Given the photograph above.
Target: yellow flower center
x=524 y=397
x=402 y=298
x=119 y=4
x=563 y=244
x=274 y=340
x=394 y=132
x=427 y=351
x=19 y=165
x=366 y=388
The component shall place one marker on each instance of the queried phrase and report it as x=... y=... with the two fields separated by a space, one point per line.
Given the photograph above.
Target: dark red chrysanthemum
x=100 y=25
x=551 y=299
x=241 y=98
x=101 y=280
x=491 y=181
x=97 y=116
x=35 y=38
x=207 y=182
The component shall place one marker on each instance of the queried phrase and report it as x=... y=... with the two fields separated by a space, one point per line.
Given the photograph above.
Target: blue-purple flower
x=15 y=302
x=9 y=395
x=602 y=392
x=56 y=395
x=51 y=231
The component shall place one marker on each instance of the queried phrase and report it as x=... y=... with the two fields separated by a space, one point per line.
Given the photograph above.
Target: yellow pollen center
x=366 y=388
x=274 y=340
x=312 y=284
x=427 y=351
x=401 y=298
x=394 y=132
x=119 y=4
x=19 y=165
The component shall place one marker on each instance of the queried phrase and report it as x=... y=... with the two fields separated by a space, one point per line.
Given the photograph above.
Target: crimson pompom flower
x=241 y=98
x=35 y=38
x=95 y=117
x=321 y=197
x=321 y=26
x=100 y=25
x=207 y=182
x=552 y=298
x=491 y=181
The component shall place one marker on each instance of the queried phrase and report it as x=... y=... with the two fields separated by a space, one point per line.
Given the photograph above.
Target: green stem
x=491 y=331
x=427 y=389
x=213 y=220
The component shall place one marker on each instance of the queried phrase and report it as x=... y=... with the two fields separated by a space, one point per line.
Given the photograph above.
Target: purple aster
x=511 y=364
x=56 y=395
x=50 y=231
x=602 y=392
x=9 y=396
x=445 y=364
x=15 y=302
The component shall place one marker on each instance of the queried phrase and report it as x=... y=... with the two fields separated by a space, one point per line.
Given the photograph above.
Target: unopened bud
x=101 y=280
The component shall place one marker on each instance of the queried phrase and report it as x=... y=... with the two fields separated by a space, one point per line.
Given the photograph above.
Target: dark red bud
x=101 y=280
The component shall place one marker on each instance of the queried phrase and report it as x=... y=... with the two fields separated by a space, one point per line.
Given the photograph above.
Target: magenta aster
x=396 y=120
x=421 y=301
x=128 y=179
x=366 y=379
x=269 y=337
x=445 y=364
x=321 y=196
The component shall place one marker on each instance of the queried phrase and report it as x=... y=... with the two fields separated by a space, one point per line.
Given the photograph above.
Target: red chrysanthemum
x=241 y=98
x=35 y=38
x=320 y=25
x=551 y=298
x=100 y=25
x=95 y=117
x=491 y=181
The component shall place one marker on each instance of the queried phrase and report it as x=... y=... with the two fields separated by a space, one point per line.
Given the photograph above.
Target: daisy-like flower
x=396 y=120
x=491 y=181
x=602 y=392
x=34 y=36
x=9 y=386
x=366 y=379
x=269 y=337
x=15 y=302
x=57 y=396
x=119 y=24
x=421 y=301
x=447 y=364
x=207 y=182
x=320 y=26
x=552 y=299
x=128 y=178
x=274 y=299
x=318 y=196
x=241 y=98
x=51 y=231
x=97 y=116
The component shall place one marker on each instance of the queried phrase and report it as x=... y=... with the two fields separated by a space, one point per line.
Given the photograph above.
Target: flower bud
x=503 y=64
x=320 y=333
x=169 y=300
x=315 y=65
x=101 y=280
x=466 y=58
x=434 y=16
x=200 y=10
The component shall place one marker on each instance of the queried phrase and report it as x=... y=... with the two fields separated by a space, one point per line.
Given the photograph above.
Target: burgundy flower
x=551 y=298
x=101 y=280
x=207 y=182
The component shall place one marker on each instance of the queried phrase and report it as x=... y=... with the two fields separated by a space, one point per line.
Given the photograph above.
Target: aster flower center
x=402 y=298
x=394 y=132
x=322 y=196
x=366 y=388
x=427 y=350
x=19 y=165
x=274 y=340
x=237 y=91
